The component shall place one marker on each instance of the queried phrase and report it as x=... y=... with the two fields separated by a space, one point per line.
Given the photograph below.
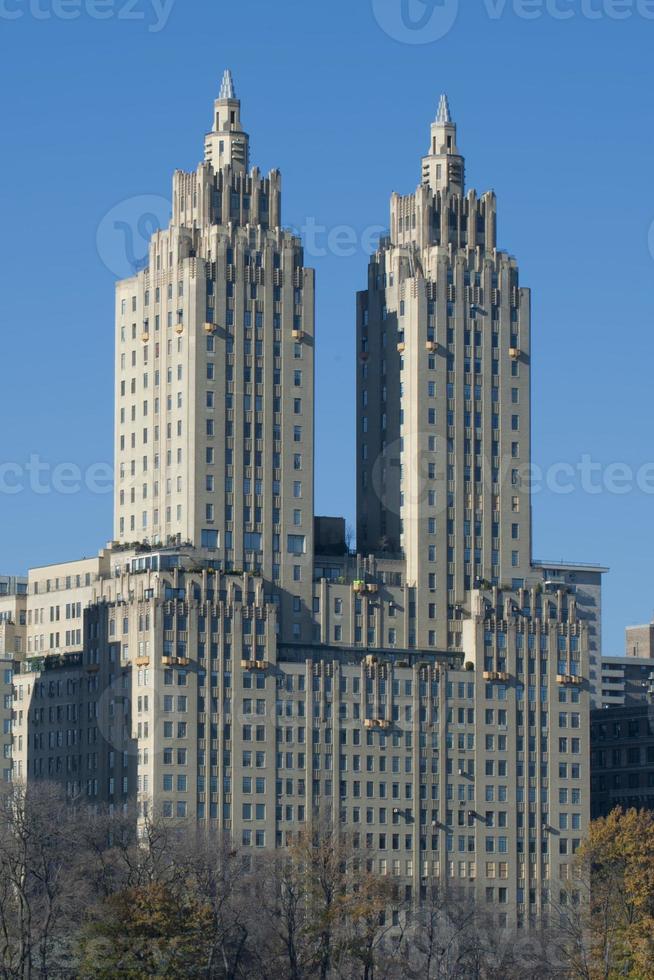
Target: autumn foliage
x=618 y=861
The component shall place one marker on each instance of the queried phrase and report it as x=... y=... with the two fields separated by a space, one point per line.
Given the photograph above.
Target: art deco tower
x=214 y=372
x=443 y=335
x=444 y=726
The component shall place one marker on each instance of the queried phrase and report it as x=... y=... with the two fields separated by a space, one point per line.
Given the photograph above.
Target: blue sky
x=102 y=99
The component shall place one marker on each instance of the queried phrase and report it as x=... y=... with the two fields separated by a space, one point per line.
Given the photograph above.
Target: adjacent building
x=13 y=617
x=622 y=759
x=639 y=641
x=627 y=681
x=584 y=580
x=622 y=729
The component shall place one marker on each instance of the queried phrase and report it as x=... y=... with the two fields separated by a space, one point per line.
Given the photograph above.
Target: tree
x=281 y=942
x=368 y=924
x=606 y=917
x=442 y=930
x=152 y=930
x=620 y=855
x=320 y=857
x=42 y=888
x=338 y=910
x=219 y=876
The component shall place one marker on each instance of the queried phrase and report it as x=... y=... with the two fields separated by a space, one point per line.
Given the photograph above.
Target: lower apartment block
x=622 y=758
x=467 y=768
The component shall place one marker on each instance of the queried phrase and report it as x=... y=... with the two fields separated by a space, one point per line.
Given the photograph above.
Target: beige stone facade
x=442 y=767
x=215 y=376
x=432 y=694
x=443 y=392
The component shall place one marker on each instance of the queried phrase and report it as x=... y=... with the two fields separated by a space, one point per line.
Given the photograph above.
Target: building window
x=209 y=539
x=296 y=544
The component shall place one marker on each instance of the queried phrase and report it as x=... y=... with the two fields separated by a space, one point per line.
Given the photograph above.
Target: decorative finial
x=444 y=115
x=227 y=87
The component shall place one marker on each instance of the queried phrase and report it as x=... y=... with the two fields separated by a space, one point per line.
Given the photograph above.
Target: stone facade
x=444 y=765
x=443 y=390
x=215 y=376
x=430 y=694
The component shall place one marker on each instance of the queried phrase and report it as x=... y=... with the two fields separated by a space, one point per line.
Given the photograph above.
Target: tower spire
x=443 y=115
x=227 y=86
x=227 y=143
x=443 y=167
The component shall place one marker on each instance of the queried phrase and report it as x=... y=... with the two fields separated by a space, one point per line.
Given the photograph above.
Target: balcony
x=255 y=664
x=52 y=661
x=496 y=675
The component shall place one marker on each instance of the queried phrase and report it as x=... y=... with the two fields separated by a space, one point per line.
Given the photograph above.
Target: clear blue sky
x=554 y=114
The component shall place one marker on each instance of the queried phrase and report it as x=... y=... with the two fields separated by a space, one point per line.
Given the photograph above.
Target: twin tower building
x=428 y=693
x=215 y=391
